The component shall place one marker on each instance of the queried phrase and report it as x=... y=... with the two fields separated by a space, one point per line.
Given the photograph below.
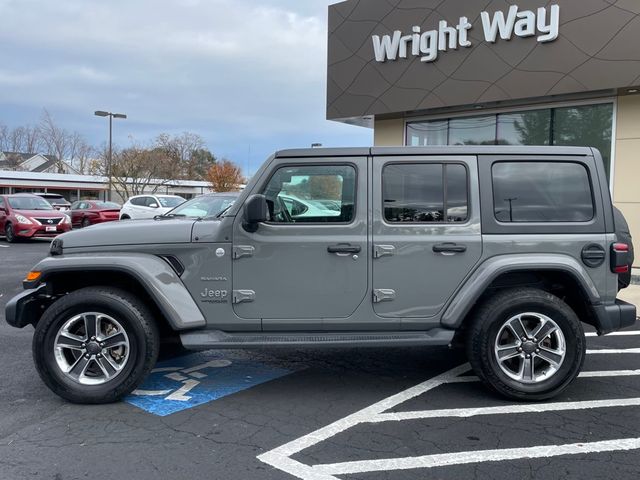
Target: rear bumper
x=610 y=318
x=27 y=307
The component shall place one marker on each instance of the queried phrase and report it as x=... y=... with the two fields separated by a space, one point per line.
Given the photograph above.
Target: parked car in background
x=90 y=212
x=204 y=206
x=57 y=201
x=25 y=215
x=149 y=206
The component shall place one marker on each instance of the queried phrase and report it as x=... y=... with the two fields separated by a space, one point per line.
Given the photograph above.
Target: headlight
x=22 y=219
x=66 y=219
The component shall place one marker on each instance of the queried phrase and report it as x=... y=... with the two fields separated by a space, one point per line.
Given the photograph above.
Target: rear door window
x=539 y=192
x=425 y=193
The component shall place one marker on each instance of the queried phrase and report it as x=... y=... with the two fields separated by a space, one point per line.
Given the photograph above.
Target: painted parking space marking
x=609 y=351
x=281 y=457
x=505 y=410
x=196 y=379
x=614 y=334
x=481 y=456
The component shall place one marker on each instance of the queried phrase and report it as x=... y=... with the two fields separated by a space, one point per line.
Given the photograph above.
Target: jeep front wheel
x=526 y=344
x=95 y=345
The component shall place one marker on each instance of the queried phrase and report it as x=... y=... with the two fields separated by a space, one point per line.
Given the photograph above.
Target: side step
x=206 y=339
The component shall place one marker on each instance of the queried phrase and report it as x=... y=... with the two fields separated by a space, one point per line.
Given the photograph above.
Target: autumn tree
x=225 y=176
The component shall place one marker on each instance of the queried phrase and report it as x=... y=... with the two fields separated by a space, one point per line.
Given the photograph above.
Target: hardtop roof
x=439 y=150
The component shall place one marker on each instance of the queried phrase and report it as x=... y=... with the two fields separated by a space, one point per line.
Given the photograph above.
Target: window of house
x=312 y=194
x=542 y=192
x=425 y=193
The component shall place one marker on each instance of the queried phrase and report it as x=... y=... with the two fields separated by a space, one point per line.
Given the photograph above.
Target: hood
x=38 y=213
x=130 y=232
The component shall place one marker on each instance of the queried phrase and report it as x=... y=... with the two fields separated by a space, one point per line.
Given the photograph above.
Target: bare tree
x=31 y=140
x=4 y=138
x=56 y=140
x=14 y=161
x=137 y=170
x=81 y=153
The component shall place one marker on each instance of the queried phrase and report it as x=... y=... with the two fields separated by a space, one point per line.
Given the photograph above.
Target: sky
x=247 y=75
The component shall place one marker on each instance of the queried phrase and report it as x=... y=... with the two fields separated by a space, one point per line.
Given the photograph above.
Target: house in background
x=34 y=162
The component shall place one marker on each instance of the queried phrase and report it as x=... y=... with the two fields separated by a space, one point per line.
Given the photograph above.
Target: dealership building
x=469 y=72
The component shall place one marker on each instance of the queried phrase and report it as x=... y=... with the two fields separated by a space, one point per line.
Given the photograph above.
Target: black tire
x=125 y=217
x=489 y=318
x=10 y=234
x=138 y=324
x=85 y=222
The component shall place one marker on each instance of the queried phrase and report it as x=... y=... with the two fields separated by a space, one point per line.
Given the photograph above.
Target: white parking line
x=614 y=334
x=4 y=246
x=280 y=457
x=504 y=410
x=612 y=351
x=482 y=456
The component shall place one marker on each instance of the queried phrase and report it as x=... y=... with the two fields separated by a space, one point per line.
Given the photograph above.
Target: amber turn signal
x=33 y=276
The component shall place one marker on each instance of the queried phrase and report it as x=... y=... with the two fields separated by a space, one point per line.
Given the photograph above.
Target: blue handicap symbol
x=199 y=378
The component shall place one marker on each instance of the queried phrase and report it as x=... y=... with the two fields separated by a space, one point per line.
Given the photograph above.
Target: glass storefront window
x=525 y=128
x=473 y=131
x=589 y=126
x=422 y=134
x=580 y=126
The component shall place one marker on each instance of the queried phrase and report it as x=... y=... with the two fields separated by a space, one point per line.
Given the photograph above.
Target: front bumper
x=611 y=318
x=27 y=307
x=40 y=231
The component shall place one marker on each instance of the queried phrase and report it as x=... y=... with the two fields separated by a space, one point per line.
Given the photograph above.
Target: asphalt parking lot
x=321 y=415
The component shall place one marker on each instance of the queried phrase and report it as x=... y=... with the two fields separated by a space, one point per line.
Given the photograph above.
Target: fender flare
x=154 y=274
x=477 y=283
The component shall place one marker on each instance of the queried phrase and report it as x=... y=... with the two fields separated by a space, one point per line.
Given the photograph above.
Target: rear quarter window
x=540 y=192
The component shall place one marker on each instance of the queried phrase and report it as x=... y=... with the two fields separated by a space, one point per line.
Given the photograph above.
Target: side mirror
x=153 y=205
x=256 y=211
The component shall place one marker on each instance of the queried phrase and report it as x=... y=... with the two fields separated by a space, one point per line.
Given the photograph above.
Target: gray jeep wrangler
x=507 y=249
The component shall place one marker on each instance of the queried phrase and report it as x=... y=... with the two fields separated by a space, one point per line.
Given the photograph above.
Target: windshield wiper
x=169 y=216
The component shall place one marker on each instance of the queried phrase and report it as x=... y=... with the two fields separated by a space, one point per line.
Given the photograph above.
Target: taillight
x=620 y=258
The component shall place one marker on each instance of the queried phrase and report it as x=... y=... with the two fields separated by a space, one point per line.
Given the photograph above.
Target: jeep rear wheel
x=95 y=345
x=526 y=344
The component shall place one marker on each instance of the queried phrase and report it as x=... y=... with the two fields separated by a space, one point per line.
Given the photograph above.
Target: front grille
x=49 y=221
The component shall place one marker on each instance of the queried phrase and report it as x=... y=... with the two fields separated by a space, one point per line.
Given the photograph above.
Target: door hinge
x=380 y=251
x=243 y=251
x=384 y=295
x=243 y=296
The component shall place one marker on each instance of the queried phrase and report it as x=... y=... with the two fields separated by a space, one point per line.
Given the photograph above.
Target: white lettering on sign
x=427 y=45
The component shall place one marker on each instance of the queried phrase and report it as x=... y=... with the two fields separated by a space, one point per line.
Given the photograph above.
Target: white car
x=148 y=206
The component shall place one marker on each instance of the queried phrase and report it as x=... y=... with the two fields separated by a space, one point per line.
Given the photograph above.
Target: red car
x=28 y=216
x=90 y=212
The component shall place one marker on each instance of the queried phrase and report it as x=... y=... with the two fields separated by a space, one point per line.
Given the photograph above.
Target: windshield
x=29 y=203
x=106 y=205
x=171 y=201
x=202 y=207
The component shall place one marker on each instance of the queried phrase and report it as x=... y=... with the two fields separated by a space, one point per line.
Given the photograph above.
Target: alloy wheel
x=530 y=348
x=91 y=348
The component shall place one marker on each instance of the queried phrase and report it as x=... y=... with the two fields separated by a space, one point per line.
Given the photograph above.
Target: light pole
x=111 y=116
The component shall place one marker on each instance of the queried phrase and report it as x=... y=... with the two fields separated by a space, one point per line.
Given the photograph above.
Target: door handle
x=344 y=249
x=449 y=248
